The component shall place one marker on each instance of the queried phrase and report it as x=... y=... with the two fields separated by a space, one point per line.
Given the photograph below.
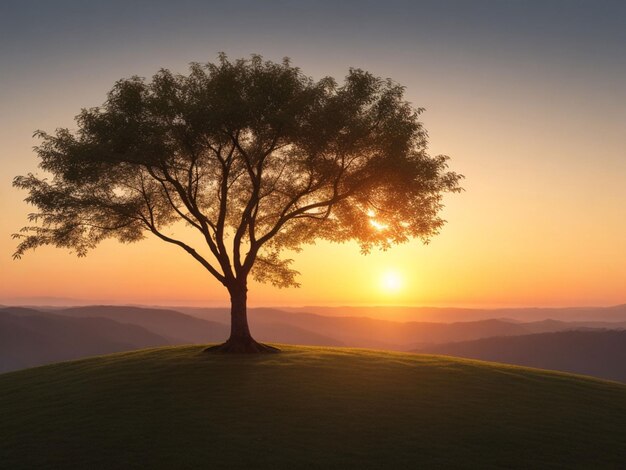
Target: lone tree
x=255 y=156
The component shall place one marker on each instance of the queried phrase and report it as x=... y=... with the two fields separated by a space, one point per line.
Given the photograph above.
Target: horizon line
x=70 y=302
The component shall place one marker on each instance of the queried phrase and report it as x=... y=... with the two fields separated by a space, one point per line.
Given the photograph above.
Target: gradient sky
x=526 y=97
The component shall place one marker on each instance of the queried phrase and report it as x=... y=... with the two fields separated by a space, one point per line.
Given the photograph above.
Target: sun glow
x=375 y=223
x=391 y=282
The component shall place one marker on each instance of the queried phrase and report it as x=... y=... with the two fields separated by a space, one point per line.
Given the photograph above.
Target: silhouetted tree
x=255 y=156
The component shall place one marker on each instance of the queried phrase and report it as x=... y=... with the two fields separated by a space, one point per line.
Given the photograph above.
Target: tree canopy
x=256 y=156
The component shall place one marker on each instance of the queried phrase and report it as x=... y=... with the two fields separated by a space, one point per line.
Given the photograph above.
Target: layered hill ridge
x=180 y=328
x=614 y=313
x=597 y=353
x=31 y=338
x=400 y=335
x=177 y=407
x=188 y=329
x=137 y=327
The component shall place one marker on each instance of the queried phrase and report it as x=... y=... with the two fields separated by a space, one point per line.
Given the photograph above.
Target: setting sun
x=391 y=282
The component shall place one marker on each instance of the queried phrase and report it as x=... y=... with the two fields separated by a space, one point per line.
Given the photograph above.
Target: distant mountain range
x=598 y=353
x=177 y=327
x=385 y=334
x=30 y=337
x=616 y=313
x=180 y=328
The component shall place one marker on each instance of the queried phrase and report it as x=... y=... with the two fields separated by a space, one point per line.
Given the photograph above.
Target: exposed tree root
x=241 y=346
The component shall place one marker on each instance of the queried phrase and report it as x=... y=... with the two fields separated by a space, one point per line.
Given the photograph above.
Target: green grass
x=307 y=407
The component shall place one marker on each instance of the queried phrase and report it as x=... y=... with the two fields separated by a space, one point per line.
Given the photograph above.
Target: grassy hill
x=307 y=407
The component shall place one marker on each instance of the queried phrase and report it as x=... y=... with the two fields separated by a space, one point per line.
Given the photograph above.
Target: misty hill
x=267 y=325
x=289 y=334
x=30 y=338
x=386 y=334
x=186 y=329
x=615 y=313
x=598 y=353
x=176 y=326
x=550 y=326
x=35 y=337
x=306 y=408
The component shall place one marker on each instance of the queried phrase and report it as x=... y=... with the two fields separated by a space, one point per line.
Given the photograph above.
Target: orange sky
x=536 y=130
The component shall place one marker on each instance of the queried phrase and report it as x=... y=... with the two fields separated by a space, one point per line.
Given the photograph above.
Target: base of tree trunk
x=242 y=346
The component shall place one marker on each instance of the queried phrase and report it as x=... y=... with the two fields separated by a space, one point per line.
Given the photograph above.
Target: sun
x=391 y=281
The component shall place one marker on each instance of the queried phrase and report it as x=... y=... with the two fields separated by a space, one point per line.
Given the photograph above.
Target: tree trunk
x=240 y=341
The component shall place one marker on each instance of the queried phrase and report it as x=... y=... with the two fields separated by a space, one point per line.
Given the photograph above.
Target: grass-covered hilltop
x=177 y=407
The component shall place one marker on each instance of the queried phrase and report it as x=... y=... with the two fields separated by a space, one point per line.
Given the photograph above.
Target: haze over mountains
x=376 y=333
x=30 y=337
x=597 y=353
x=449 y=314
